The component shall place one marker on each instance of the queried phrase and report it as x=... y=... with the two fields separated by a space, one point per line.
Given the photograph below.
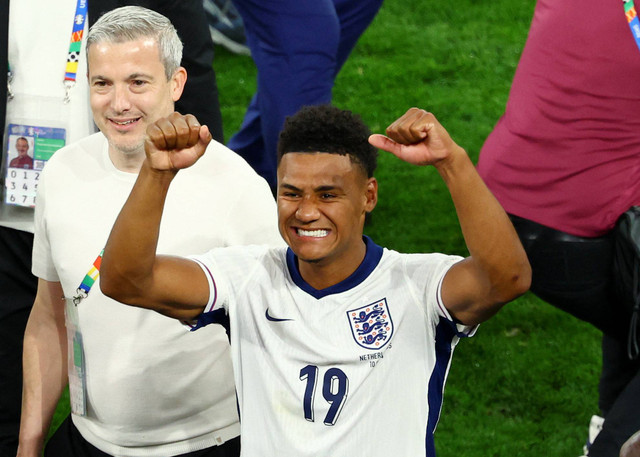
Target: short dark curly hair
x=325 y=128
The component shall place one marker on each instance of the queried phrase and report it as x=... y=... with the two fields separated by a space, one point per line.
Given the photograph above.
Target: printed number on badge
x=21 y=186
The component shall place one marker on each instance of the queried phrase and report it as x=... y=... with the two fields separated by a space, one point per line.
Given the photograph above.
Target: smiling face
x=129 y=90
x=322 y=202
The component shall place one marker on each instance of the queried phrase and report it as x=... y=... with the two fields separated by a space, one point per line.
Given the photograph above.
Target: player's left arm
x=497 y=270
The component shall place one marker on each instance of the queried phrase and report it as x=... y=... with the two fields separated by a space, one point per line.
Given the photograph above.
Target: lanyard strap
x=73 y=56
x=71 y=70
x=632 y=19
x=89 y=279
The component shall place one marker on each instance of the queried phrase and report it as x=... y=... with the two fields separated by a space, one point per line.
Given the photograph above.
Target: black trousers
x=11 y=335
x=68 y=442
x=575 y=274
x=17 y=292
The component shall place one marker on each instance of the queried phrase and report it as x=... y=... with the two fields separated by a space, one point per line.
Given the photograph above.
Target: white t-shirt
x=154 y=389
x=39 y=36
x=357 y=369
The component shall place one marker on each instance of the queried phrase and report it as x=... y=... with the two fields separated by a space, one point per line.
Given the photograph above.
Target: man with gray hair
x=140 y=384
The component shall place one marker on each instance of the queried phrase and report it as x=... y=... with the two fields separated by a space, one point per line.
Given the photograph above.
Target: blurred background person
x=564 y=161
x=37 y=47
x=226 y=26
x=298 y=46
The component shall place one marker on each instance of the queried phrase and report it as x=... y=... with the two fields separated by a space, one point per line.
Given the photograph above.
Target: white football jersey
x=352 y=370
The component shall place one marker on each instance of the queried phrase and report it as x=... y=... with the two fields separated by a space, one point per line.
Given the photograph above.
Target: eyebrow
x=130 y=77
x=317 y=189
x=139 y=76
x=325 y=188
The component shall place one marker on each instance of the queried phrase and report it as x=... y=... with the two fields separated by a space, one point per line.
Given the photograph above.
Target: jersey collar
x=370 y=262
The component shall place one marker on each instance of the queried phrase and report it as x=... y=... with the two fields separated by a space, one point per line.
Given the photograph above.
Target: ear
x=371 y=195
x=178 y=80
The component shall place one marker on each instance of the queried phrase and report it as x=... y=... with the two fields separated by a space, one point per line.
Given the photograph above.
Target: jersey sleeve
x=426 y=273
x=460 y=329
x=228 y=271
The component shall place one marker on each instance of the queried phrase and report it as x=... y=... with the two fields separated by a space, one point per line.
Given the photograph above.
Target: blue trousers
x=298 y=47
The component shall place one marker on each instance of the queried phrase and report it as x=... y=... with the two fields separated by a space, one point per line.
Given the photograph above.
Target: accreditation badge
x=29 y=142
x=75 y=360
x=28 y=147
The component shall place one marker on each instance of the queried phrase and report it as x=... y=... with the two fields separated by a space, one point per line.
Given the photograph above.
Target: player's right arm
x=131 y=272
x=44 y=367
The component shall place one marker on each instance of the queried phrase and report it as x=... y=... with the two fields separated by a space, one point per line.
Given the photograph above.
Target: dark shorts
x=68 y=442
x=574 y=274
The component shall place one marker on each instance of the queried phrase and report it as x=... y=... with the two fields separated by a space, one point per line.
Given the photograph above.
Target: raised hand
x=175 y=142
x=418 y=138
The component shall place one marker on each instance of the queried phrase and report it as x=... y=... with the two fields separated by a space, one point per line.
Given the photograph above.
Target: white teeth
x=313 y=233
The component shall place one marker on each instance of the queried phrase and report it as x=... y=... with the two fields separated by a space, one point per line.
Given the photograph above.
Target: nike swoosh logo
x=274 y=319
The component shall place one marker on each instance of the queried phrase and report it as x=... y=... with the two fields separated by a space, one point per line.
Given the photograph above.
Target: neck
x=129 y=162
x=322 y=274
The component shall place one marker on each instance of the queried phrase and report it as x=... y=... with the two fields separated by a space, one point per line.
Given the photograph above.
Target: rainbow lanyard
x=73 y=56
x=632 y=19
x=85 y=286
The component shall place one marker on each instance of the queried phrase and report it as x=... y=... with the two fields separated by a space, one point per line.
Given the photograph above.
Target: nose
x=307 y=210
x=120 y=101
